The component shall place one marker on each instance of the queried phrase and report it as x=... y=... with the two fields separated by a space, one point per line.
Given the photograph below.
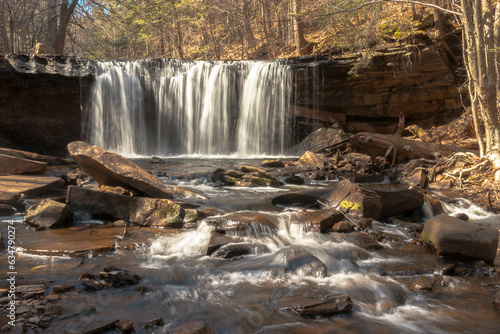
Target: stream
x=250 y=293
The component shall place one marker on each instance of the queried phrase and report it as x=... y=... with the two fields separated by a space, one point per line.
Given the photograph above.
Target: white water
x=171 y=107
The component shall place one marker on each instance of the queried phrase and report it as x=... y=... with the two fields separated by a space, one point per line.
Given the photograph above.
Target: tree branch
x=374 y=2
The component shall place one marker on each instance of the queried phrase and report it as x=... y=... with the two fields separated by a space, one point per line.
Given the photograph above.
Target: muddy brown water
x=248 y=295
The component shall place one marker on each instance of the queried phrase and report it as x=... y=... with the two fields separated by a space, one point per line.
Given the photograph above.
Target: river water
x=248 y=294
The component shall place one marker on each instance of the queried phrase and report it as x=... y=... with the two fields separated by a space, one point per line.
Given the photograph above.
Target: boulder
x=328 y=306
x=299 y=261
x=363 y=240
x=238 y=249
x=319 y=140
x=14 y=166
x=77 y=177
x=293 y=179
x=375 y=201
x=247 y=177
x=48 y=213
x=117 y=277
x=397 y=199
x=112 y=169
x=310 y=159
x=421 y=283
x=348 y=196
x=247 y=221
x=218 y=240
x=454 y=237
x=342 y=227
x=317 y=221
x=276 y=163
x=146 y=211
x=12 y=187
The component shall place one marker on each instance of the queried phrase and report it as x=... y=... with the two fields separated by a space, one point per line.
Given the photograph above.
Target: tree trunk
x=3 y=29
x=52 y=22
x=67 y=10
x=300 y=40
x=264 y=9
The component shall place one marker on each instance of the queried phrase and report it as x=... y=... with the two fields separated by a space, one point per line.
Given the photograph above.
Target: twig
x=334 y=208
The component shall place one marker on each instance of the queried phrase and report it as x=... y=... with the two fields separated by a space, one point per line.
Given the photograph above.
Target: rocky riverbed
x=331 y=241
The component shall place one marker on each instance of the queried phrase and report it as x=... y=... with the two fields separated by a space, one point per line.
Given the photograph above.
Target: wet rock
x=417 y=179
x=13 y=186
x=53 y=310
x=48 y=213
x=496 y=300
x=317 y=221
x=310 y=159
x=10 y=165
x=92 y=285
x=154 y=323
x=327 y=307
x=112 y=169
x=248 y=221
x=276 y=163
x=342 y=227
x=421 y=283
x=22 y=310
x=397 y=200
x=157 y=160
x=99 y=327
x=407 y=225
x=300 y=262
x=217 y=240
x=247 y=177
x=462 y=216
x=300 y=198
x=117 y=277
x=77 y=177
x=363 y=240
x=125 y=326
x=348 y=196
x=239 y=249
x=319 y=140
x=63 y=288
x=137 y=210
x=34 y=288
x=455 y=237
x=192 y=327
x=157 y=212
x=294 y=179
x=7 y=210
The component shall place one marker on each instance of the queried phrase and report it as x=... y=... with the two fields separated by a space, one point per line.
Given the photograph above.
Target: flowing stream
x=248 y=294
x=172 y=107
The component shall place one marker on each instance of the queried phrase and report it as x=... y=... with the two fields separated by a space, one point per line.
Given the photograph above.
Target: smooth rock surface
x=330 y=305
x=48 y=213
x=12 y=186
x=454 y=237
x=112 y=169
x=10 y=165
x=318 y=140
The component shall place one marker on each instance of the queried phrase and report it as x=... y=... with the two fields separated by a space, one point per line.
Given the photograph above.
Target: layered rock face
x=41 y=101
x=413 y=80
x=42 y=97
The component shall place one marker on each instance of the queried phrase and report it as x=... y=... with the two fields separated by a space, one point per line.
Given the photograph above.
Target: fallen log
x=400 y=149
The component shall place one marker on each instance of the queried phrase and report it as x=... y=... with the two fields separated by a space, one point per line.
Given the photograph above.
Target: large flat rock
x=112 y=169
x=12 y=186
x=454 y=237
x=34 y=156
x=10 y=165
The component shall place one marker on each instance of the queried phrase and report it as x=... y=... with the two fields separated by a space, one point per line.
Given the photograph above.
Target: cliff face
x=40 y=101
x=42 y=98
x=412 y=80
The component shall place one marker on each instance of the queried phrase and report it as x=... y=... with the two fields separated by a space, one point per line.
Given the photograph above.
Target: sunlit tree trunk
x=300 y=39
x=481 y=50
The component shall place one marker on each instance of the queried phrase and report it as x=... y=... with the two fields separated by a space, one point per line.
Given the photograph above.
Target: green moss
x=351 y=206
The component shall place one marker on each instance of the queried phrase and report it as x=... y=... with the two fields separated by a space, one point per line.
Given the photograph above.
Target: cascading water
x=173 y=107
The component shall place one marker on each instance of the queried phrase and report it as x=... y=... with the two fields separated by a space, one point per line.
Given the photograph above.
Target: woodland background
x=209 y=29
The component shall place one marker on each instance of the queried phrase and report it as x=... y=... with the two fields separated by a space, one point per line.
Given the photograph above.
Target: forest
x=209 y=29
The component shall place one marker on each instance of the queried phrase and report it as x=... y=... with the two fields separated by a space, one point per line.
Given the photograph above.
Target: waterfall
x=172 y=107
